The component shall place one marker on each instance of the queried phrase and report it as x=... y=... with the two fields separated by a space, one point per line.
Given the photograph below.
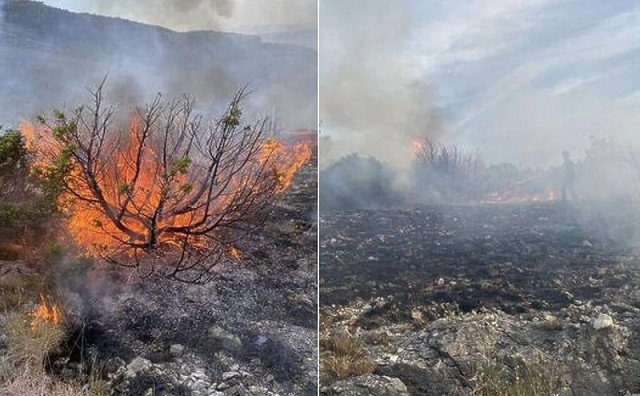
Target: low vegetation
x=518 y=378
x=445 y=172
x=344 y=356
x=27 y=344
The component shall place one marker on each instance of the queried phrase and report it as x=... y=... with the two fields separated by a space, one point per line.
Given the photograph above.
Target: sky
x=520 y=81
x=184 y=15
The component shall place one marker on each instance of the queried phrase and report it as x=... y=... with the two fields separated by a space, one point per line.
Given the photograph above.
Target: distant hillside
x=304 y=35
x=304 y=38
x=49 y=56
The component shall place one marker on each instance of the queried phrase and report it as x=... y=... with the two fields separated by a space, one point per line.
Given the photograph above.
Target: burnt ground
x=251 y=331
x=499 y=271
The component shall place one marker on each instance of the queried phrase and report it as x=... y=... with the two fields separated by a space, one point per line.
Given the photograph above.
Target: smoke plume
x=371 y=102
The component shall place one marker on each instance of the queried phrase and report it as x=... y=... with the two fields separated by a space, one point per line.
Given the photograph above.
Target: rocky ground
x=530 y=299
x=252 y=331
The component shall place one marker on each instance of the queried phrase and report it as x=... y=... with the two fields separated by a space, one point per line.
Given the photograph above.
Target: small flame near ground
x=510 y=195
x=45 y=313
x=234 y=253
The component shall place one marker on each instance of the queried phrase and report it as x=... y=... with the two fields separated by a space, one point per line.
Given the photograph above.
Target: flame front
x=45 y=313
x=291 y=160
x=142 y=188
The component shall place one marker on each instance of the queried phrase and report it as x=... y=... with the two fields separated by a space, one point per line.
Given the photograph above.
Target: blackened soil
x=510 y=257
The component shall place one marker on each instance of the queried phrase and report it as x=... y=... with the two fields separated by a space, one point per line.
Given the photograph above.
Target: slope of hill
x=49 y=56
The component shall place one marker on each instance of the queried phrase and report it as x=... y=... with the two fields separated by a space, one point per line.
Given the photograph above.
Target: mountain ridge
x=45 y=49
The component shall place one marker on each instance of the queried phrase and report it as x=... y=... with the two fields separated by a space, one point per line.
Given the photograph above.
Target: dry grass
x=22 y=365
x=15 y=294
x=9 y=251
x=552 y=325
x=96 y=384
x=522 y=379
x=31 y=345
x=33 y=381
x=344 y=356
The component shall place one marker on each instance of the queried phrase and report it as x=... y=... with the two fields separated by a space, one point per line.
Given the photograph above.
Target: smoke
x=371 y=101
x=176 y=14
x=49 y=61
x=188 y=15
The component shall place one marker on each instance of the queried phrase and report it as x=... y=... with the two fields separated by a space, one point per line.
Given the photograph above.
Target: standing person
x=569 y=177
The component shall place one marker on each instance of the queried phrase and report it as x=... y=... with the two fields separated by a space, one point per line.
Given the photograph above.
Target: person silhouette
x=569 y=177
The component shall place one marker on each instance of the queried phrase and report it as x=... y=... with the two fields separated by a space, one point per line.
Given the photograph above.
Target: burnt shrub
x=445 y=173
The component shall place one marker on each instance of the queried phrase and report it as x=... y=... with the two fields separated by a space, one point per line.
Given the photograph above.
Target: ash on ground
x=537 y=298
x=251 y=331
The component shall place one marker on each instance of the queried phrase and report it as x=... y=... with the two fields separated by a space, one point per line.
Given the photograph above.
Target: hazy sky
x=520 y=80
x=202 y=14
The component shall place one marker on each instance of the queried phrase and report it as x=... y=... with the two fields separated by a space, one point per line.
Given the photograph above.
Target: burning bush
x=170 y=194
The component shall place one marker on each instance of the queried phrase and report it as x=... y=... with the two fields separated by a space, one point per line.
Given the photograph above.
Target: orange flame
x=234 y=253
x=45 y=313
x=294 y=157
x=92 y=229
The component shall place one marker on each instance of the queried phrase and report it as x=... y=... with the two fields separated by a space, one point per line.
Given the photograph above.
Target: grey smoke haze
x=521 y=81
x=184 y=15
x=370 y=100
x=50 y=61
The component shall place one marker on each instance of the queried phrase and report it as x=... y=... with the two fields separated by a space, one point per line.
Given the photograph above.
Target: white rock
x=200 y=385
x=139 y=365
x=176 y=350
x=603 y=321
x=229 y=375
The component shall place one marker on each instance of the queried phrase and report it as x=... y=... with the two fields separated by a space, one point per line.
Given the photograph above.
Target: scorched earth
x=496 y=299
